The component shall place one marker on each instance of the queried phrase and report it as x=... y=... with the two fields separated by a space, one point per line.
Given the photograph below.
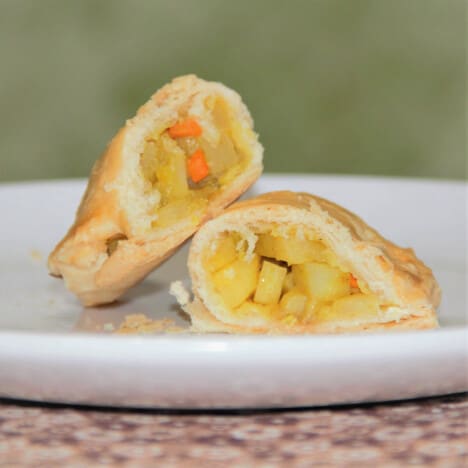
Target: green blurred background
x=335 y=86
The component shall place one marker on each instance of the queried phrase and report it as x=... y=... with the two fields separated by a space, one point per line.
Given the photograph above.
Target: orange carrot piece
x=197 y=166
x=185 y=128
x=353 y=281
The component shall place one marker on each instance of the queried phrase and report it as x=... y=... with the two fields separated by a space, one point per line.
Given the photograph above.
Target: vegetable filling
x=188 y=164
x=290 y=278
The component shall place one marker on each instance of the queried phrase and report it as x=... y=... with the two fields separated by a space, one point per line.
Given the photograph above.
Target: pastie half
x=189 y=151
x=289 y=262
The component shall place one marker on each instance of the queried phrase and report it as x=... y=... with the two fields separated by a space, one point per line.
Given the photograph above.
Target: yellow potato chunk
x=291 y=250
x=171 y=171
x=270 y=283
x=221 y=157
x=220 y=114
x=320 y=281
x=225 y=253
x=293 y=302
x=237 y=281
x=354 y=307
x=179 y=209
x=265 y=245
x=250 y=308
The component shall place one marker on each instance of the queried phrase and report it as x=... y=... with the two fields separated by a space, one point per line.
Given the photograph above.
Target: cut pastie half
x=189 y=151
x=289 y=262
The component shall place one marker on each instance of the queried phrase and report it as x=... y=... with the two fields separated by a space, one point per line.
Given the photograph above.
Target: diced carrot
x=353 y=281
x=197 y=166
x=185 y=128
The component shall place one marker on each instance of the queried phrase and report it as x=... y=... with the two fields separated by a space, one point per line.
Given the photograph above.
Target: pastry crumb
x=36 y=255
x=142 y=324
x=178 y=290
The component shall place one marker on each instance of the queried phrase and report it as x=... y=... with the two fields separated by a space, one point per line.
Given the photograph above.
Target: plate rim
x=235 y=339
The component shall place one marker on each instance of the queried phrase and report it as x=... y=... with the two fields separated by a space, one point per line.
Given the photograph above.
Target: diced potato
x=291 y=250
x=172 y=177
x=171 y=213
x=354 y=307
x=179 y=182
x=221 y=157
x=265 y=245
x=225 y=253
x=357 y=306
x=288 y=282
x=250 y=308
x=221 y=115
x=270 y=283
x=179 y=209
x=171 y=171
x=302 y=250
x=320 y=281
x=293 y=302
x=237 y=281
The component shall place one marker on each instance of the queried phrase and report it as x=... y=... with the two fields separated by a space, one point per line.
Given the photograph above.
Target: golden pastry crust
x=115 y=204
x=394 y=274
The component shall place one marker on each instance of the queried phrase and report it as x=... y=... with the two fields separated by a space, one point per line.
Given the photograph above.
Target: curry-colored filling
x=287 y=278
x=187 y=168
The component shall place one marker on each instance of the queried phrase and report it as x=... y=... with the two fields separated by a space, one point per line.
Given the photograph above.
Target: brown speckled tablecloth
x=429 y=432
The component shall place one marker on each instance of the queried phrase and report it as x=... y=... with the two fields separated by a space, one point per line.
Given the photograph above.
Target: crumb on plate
x=141 y=324
x=36 y=255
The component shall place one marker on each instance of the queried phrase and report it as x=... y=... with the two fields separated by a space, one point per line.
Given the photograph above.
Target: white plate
x=53 y=350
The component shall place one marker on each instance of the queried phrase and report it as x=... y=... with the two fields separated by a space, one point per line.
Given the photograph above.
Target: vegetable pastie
x=189 y=151
x=289 y=262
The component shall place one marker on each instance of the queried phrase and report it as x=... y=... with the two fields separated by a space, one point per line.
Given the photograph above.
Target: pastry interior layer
x=187 y=162
x=289 y=276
